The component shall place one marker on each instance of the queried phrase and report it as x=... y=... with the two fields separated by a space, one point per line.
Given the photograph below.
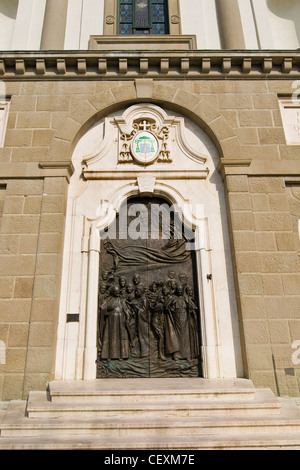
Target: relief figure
x=171 y=337
x=181 y=323
x=139 y=306
x=148 y=316
x=115 y=343
x=156 y=305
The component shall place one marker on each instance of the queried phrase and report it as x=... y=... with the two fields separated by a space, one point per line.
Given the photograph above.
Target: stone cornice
x=32 y=170
x=131 y=174
x=289 y=169
x=128 y=65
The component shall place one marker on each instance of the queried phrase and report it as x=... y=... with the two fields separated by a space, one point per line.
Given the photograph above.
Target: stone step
x=16 y=424
x=188 y=414
x=265 y=403
x=108 y=391
x=246 y=441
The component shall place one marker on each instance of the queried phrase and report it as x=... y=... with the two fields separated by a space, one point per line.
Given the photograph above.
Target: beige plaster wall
x=243 y=118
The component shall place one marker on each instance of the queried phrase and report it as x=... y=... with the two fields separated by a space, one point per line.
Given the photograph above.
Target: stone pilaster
x=53 y=35
x=230 y=23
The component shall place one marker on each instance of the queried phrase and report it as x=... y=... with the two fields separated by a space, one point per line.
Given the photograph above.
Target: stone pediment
x=126 y=147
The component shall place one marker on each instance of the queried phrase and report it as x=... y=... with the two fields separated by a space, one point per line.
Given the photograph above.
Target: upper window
x=143 y=17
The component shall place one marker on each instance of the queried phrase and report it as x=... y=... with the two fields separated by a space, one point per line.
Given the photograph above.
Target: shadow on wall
x=8 y=15
x=288 y=10
x=9 y=8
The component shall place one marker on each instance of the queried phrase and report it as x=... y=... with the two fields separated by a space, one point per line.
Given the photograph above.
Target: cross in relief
x=145 y=125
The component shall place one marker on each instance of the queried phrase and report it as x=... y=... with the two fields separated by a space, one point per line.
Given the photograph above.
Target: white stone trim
x=4 y=112
x=93 y=206
x=261 y=17
x=290 y=114
x=90 y=351
x=2 y=353
x=29 y=25
x=84 y=19
x=248 y=22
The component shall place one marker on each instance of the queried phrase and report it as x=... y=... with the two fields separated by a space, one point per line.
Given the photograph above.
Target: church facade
x=189 y=109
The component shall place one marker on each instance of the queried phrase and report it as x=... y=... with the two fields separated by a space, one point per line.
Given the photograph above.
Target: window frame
x=111 y=12
x=147 y=30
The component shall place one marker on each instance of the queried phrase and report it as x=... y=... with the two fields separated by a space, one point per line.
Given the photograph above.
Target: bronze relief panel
x=148 y=308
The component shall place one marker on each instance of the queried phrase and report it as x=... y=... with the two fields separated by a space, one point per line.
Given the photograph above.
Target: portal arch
x=196 y=108
x=100 y=184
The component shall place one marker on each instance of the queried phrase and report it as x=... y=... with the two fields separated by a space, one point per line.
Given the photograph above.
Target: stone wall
x=260 y=173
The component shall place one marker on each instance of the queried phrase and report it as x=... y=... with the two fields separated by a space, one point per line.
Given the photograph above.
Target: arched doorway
x=107 y=173
x=148 y=309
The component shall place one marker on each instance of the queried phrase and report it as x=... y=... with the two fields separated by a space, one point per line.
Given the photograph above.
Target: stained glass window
x=143 y=17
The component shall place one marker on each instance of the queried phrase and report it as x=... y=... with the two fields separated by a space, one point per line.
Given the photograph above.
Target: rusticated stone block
x=247 y=262
x=272 y=221
x=247 y=135
x=250 y=284
x=13 y=387
x=15 y=310
x=33 y=120
x=9 y=244
x=237 y=183
x=53 y=103
x=42 y=137
x=286 y=241
x=279 y=331
x=259 y=357
x=23 y=102
x=41 y=334
x=265 y=241
x=256 y=332
x=6 y=287
x=256 y=118
x=17 y=265
x=235 y=101
x=24 y=187
x=50 y=243
x=20 y=224
x=271 y=136
x=45 y=287
x=39 y=359
x=272 y=284
x=244 y=241
x=267 y=185
x=260 y=202
x=239 y=202
x=18 y=335
x=253 y=307
x=18 y=138
x=242 y=220
x=23 y=287
x=291 y=284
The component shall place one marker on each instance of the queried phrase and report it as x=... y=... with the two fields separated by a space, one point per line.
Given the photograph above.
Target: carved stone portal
x=148 y=307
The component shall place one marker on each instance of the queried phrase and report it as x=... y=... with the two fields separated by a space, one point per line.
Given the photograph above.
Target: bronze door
x=148 y=309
